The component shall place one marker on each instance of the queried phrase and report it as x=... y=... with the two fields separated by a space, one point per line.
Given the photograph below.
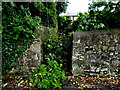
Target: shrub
x=58 y=48
x=86 y=22
x=47 y=76
x=53 y=49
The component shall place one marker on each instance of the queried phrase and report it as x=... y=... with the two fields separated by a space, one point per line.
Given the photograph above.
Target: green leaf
x=49 y=45
x=37 y=80
x=44 y=86
x=83 y=27
x=61 y=65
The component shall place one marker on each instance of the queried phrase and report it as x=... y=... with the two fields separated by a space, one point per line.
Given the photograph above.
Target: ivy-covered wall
x=19 y=23
x=32 y=57
x=96 y=53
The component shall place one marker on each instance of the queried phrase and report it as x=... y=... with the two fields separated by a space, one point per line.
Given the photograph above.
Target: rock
x=99 y=49
x=115 y=63
x=75 y=69
x=104 y=47
x=111 y=53
x=104 y=69
x=74 y=57
x=14 y=71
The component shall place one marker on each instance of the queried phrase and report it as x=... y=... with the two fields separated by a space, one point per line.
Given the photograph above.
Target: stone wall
x=96 y=53
x=32 y=57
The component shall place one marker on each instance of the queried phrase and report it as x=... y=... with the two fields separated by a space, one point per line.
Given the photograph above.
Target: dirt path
x=71 y=83
x=91 y=83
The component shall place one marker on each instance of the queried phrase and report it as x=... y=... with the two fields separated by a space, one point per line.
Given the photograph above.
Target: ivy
x=64 y=25
x=18 y=23
x=48 y=13
x=52 y=49
x=18 y=32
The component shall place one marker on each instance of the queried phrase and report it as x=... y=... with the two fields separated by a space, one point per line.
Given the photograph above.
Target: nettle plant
x=48 y=76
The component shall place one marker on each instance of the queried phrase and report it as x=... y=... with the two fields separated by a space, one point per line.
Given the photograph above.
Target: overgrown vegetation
x=98 y=18
x=18 y=26
x=20 y=19
x=49 y=76
x=109 y=15
x=58 y=48
x=86 y=22
x=64 y=25
x=19 y=22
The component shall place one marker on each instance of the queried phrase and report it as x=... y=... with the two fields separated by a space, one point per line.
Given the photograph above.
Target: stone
x=97 y=52
x=74 y=58
x=111 y=53
x=106 y=63
x=35 y=47
x=98 y=70
x=81 y=56
x=92 y=74
x=116 y=52
x=104 y=69
x=75 y=69
x=14 y=71
x=115 y=63
x=93 y=68
x=112 y=48
x=81 y=59
x=104 y=47
x=78 y=42
x=115 y=40
x=93 y=60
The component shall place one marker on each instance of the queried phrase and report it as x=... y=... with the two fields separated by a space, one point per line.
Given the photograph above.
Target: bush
x=109 y=15
x=58 y=48
x=47 y=76
x=64 y=25
x=53 y=49
x=86 y=22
